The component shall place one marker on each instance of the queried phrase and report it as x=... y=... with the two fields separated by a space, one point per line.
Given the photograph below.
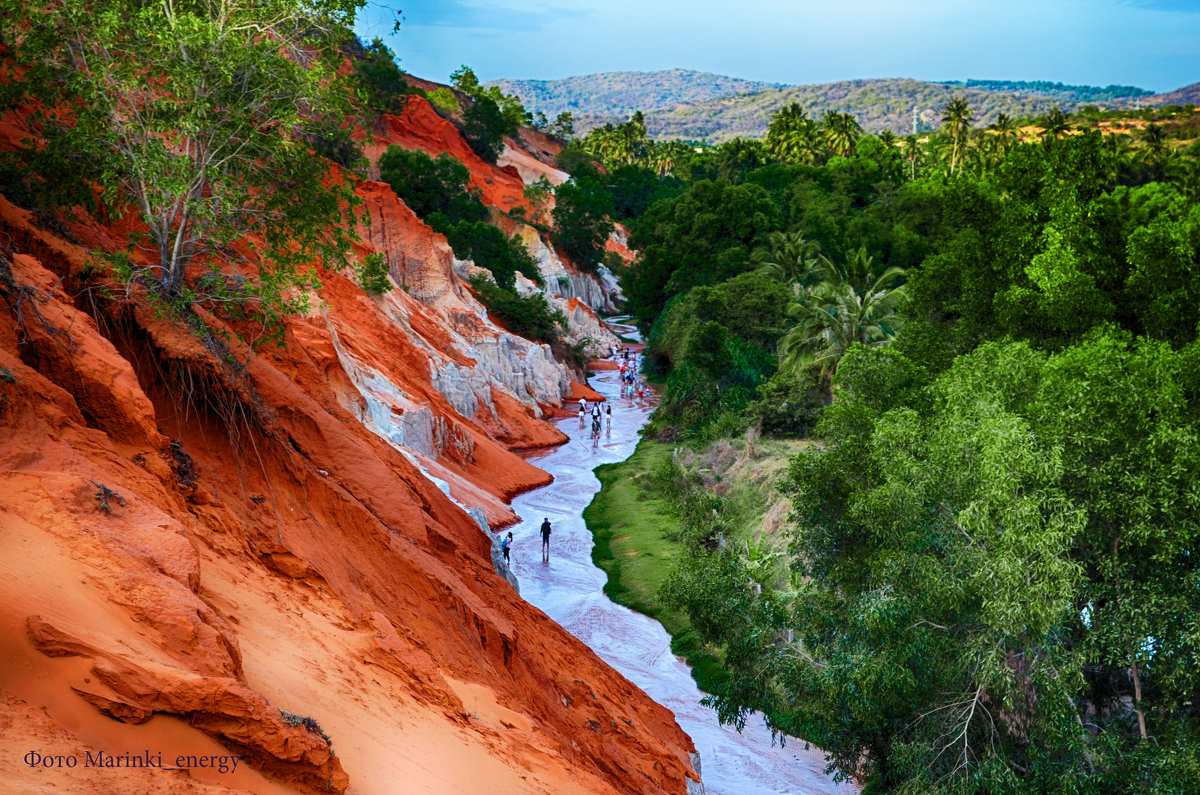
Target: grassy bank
x=635 y=529
x=632 y=527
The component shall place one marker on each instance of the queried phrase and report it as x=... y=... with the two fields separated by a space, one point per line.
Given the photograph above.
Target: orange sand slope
x=200 y=561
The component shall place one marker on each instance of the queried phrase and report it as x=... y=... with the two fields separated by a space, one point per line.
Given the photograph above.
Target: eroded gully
x=569 y=589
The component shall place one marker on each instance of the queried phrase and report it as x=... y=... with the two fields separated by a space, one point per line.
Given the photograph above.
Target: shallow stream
x=569 y=589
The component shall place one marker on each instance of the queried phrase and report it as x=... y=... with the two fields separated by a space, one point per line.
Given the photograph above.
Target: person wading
x=546 y=539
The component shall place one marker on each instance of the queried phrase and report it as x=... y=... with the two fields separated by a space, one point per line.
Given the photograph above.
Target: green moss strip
x=632 y=528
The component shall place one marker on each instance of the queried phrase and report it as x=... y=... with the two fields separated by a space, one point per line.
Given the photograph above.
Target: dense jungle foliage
x=990 y=581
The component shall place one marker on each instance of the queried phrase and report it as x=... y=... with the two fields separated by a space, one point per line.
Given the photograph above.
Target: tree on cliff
x=582 y=218
x=192 y=114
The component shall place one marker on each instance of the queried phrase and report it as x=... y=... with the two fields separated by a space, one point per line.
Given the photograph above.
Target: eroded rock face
x=258 y=561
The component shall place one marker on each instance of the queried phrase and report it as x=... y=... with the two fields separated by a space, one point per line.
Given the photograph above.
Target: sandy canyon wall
x=204 y=560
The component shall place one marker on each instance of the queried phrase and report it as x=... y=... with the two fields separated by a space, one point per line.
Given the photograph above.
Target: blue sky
x=1150 y=43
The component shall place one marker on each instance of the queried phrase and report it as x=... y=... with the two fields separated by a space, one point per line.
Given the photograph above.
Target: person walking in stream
x=546 y=539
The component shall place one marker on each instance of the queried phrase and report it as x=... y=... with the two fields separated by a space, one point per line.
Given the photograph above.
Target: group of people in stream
x=600 y=412
x=506 y=544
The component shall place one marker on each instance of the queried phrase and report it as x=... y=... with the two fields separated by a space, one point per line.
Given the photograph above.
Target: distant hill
x=1095 y=95
x=877 y=104
x=622 y=93
x=705 y=107
x=1188 y=95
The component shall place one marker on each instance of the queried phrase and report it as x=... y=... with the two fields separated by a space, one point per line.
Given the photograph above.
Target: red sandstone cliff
x=197 y=557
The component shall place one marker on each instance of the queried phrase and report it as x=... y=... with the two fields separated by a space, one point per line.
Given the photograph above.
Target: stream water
x=569 y=589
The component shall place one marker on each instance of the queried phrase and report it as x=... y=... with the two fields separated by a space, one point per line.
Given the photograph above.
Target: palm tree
x=855 y=302
x=888 y=139
x=1054 y=125
x=634 y=133
x=830 y=319
x=671 y=156
x=1118 y=148
x=841 y=132
x=1005 y=133
x=738 y=156
x=912 y=153
x=860 y=271
x=603 y=143
x=790 y=258
x=1185 y=174
x=1154 y=141
x=791 y=135
x=956 y=118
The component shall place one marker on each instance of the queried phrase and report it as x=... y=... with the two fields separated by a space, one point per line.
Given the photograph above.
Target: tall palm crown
x=841 y=132
x=790 y=258
x=956 y=118
x=1054 y=125
x=855 y=301
x=792 y=135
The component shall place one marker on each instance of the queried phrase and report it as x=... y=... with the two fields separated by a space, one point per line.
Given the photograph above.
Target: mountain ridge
x=702 y=113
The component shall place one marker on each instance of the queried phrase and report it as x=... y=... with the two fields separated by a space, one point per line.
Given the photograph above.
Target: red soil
x=175 y=596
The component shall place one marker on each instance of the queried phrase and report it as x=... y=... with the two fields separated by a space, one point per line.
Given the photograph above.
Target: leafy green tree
x=463 y=78
x=563 y=126
x=635 y=188
x=488 y=247
x=537 y=197
x=432 y=185
x=582 y=219
x=381 y=79
x=484 y=128
x=508 y=106
x=187 y=113
x=703 y=236
x=994 y=590
x=750 y=305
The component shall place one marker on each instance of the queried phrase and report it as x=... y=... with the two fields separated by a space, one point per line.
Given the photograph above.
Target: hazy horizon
x=1153 y=44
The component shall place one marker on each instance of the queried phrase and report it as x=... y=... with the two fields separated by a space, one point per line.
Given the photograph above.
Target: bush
x=787 y=405
x=432 y=185
x=488 y=247
x=528 y=317
x=372 y=275
x=574 y=157
x=444 y=100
